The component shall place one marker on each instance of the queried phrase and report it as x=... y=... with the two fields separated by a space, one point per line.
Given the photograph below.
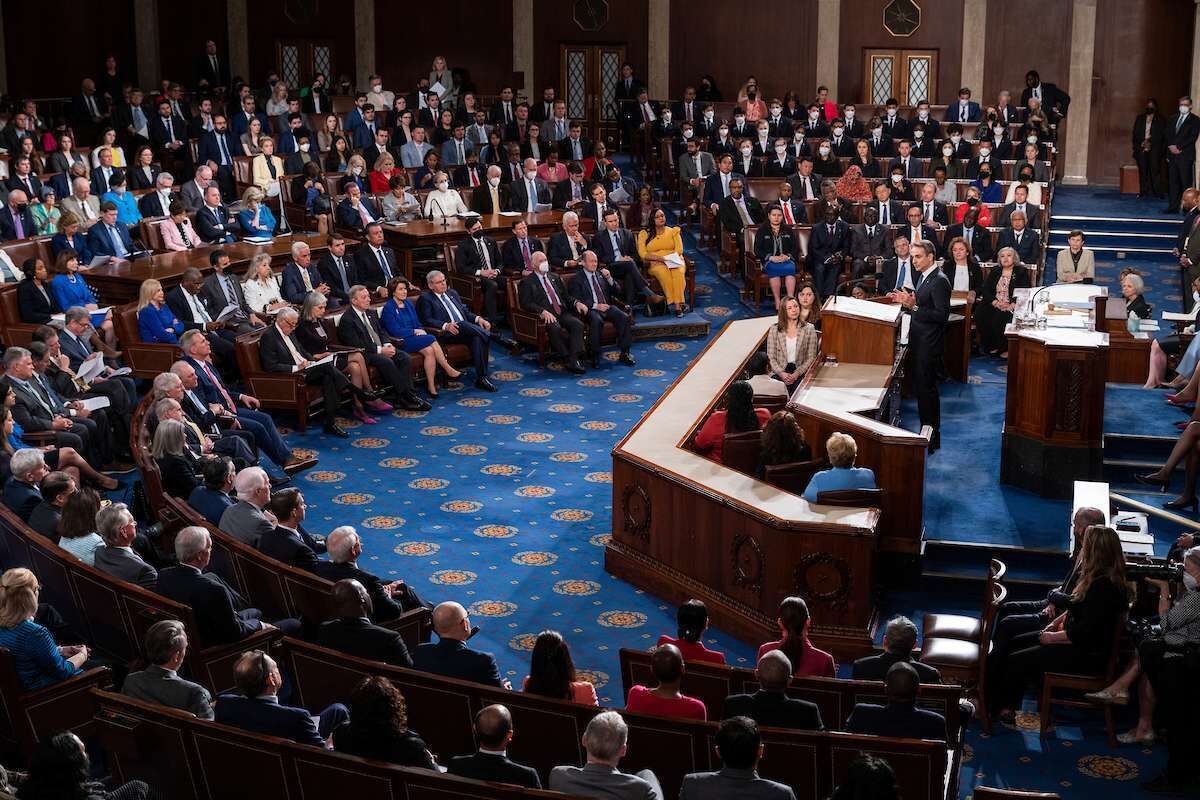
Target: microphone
x=1034 y=297
x=442 y=211
x=284 y=228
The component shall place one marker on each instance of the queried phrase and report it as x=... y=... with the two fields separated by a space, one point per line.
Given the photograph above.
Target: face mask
x=923 y=114
x=708 y=116
x=1031 y=139
x=356 y=170
x=745 y=151
x=377 y=88
x=837 y=131
x=687 y=134
x=984 y=175
x=544 y=267
x=1184 y=109
x=1196 y=297
x=530 y=174
x=956 y=138
x=752 y=93
x=799 y=137
x=897 y=178
x=23 y=207
x=723 y=131
x=764 y=133
x=971 y=201
x=781 y=149
x=666 y=117
x=825 y=150
x=442 y=186
x=304 y=147
x=947 y=151
x=1189 y=580
x=918 y=134
x=813 y=115
x=738 y=121
x=985 y=152
x=849 y=113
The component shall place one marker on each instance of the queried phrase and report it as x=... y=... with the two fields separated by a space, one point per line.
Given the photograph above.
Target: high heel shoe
x=1180 y=503
x=1150 y=479
x=361 y=415
x=1173 y=399
x=1131 y=737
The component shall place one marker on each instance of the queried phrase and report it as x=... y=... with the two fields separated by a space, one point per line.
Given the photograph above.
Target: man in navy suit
x=21 y=491
x=23 y=178
x=214 y=223
x=188 y=305
x=295 y=286
x=256 y=707
x=1021 y=238
x=16 y=220
x=900 y=717
x=828 y=243
x=288 y=541
x=617 y=251
x=905 y=159
x=594 y=289
x=928 y=306
x=241 y=120
x=289 y=140
x=493 y=731
x=770 y=706
x=106 y=237
x=356 y=211
x=168 y=136
x=898 y=642
x=450 y=656
x=965 y=110
x=218 y=147
x=353 y=632
x=441 y=308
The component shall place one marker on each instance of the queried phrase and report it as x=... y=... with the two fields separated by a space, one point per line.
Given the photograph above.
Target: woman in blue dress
x=70 y=290
x=399 y=319
x=68 y=236
x=775 y=248
x=255 y=217
x=156 y=321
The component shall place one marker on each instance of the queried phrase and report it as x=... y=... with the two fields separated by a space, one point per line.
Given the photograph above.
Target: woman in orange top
x=552 y=672
x=739 y=416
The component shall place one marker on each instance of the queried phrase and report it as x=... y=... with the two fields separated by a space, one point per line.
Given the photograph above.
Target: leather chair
x=851 y=498
x=1083 y=683
x=29 y=715
x=741 y=451
x=771 y=402
x=529 y=328
x=151 y=233
x=793 y=477
x=756 y=283
x=959 y=626
x=282 y=390
x=146 y=359
x=15 y=332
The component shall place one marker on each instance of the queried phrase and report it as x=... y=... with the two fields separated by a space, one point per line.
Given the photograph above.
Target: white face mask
x=764 y=133
x=493 y=182
x=825 y=150
x=799 y=137
x=897 y=178
x=923 y=114
x=356 y=170
x=849 y=113
x=687 y=134
x=985 y=152
x=746 y=151
x=442 y=185
x=837 y=131
x=738 y=121
x=891 y=112
x=544 y=267
x=781 y=149
x=1184 y=109
x=1031 y=139
x=775 y=111
x=530 y=174
x=304 y=147
x=708 y=116
x=956 y=138
x=918 y=134
x=666 y=117
x=947 y=151
x=813 y=115
x=377 y=88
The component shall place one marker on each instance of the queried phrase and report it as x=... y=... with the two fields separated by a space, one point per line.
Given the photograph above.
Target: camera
x=1155 y=570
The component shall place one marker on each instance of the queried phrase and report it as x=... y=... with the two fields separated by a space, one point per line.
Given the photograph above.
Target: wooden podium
x=860 y=331
x=1054 y=409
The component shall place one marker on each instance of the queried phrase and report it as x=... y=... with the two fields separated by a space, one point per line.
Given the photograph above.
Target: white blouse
x=439 y=204
x=259 y=295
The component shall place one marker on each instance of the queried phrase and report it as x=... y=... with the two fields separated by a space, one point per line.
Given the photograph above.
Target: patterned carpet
x=503 y=502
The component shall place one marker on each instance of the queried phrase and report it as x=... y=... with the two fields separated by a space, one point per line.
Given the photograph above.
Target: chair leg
x=302 y=415
x=1044 y=708
x=1109 y=726
x=985 y=719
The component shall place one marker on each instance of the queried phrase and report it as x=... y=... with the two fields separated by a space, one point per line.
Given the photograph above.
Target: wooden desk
x=405 y=237
x=1054 y=409
x=860 y=331
x=685 y=526
x=1128 y=353
x=117 y=283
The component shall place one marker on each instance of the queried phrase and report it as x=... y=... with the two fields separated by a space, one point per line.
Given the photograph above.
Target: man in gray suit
x=248 y=519
x=118 y=529
x=192 y=193
x=740 y=747
x=604 y=740
x=166 y=646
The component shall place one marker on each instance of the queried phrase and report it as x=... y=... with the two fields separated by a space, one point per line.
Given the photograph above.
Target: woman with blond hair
x=255 y=217
x=267 y=168
x=841 y=450
x=383 y=172
x=261 y=287
x=156 y=321
x=38 y=660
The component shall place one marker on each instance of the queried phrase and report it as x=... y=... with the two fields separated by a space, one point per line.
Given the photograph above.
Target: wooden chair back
x=741 y=451
x=794 y=476
x=851 y=497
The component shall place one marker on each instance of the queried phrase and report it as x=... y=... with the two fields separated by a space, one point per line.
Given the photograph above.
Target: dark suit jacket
x=210 y=150
x=468 y=259
x=796 y=181
x=183 y=309
x=33 y=191
x=518 y=194
x=159 y=137
x=330 y=275
x=510 y=252
x=33 y=306
x=293 y=284
x=125 y=565
x=940 y=214
x=287 y=546
x=214 y=295
x=1053 y=100
x=926 y=334
x=385 y=606
x=347 y=217
x=916 y=169
x=21 y=498
x=453 y=659
x=359 y=637
x=885 y=148
x=275 y=355
x=151 y=205
x=862 y=245
x=367 y=267
x=566 y=149
x=562 y=193
x=206 y=225
x=731 y=220
x=579 y=289
x=492 y=767
x=1030 y=249
x=8 y=228
x=981 y=240
x=532 y=295
x=775 y=710
x=1033 y=216
x=99 y=240
x=351 y=332
x=894 y=719
x=603 y=246
x=559 y=250
x=822 y=244
x=481 y=199
x=213 y=602
x=433 y=313
x=44 y=519
x=264 y=716
x=874 y=668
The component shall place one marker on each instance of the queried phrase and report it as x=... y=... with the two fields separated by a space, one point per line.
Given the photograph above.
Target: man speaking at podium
x=929 y=306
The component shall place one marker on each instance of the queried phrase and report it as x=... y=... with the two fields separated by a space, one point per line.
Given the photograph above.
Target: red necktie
x=787 y=213
x=474 y=177
x=525 y=251
x=228 y=399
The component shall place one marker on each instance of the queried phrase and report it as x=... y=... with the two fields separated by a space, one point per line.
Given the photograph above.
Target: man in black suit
x=571 y=194
x=770 y=706
x=1181 y=152
x=736 y=212
x=890 y=211
x=900 y=717
x=158 y=202
x=88 y=109
x=898 y=642
x=929 y=307
x=805 y=185
x=916 y=229
x=55 y=489
x=516 y=254
x=882 y=145
x=828 y=244
x=597 y=205
x=478 y=257
x=594 y=288
x=36 y=410
x=1033 y=214
x=567 y=245
x=529 y=192
x=870 y=243
x=542 y=292
x=443 y=310
x=222 y=616
x=280 y=351
x=617 y=251
x=257 y=708
x=1020 y=238
x=375 y=262
x=450 y=656
x=1054 y=100
x=214 y=223
x=211 y=70
x=354 y=633
x=187 y=303
x=23 y=178
x=338 y=271
x=504 y=109
x=905 y=159
x=16 y=220
x=895 y=127
x=168 y=137
x=1149 y=141
x=388 y=600
x=575 y=147
x=933 y=211
x=288 y=541
x=491 y=197
x=794 y=212
x=360 y=327
x=986 y=156
x=493 y=732
x=979 y=239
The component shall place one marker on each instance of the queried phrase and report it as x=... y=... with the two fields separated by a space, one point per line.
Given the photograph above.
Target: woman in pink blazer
x=177 y=232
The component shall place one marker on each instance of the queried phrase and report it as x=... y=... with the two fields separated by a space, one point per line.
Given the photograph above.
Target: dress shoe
x=506 y=342
x=485 y=384
x=294 y=464
x=336 y=430
x=410 y=402
x=575 y=368
x=626 y=358
x=654 y=300
x=278 y=481
x=119 y=467
x=379 y=405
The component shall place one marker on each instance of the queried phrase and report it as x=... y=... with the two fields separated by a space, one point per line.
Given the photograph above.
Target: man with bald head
x=770 y=706
x=493 y=732
x=492 y=196
x=450 y=656
x=388 y=600
x=530 y=191
x=16 y=220
x=354 y=633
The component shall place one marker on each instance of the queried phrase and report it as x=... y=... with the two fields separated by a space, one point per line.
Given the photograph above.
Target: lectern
x=859 y=331
x=1054 y=411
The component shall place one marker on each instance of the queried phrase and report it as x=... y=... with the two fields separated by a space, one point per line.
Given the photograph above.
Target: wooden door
x=588 y=76
x=299 y=60
x=910 y=76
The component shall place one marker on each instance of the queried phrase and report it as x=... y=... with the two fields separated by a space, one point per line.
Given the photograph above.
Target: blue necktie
x=902 y=277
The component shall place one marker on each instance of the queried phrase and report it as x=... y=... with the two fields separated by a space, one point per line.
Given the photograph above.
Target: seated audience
x=493 y=732
x=998 y=303
x=156 y=321
x=212 y=497
x=37 y=659
x=256 y=706
x=116 y=556
x=604 y=740
x=841 y=449
x=739 y=747
x=1075 y=264
x=177 y=232
x=159 y=682
x=22 y=490
x=661 y=249
x=175 y=465
x=61 y=767
x=900 y=717
x=792 y=342
x=388 y=600
x=899 y=639
x=761 y=380
x=739 y=416
x=869 y=777
x=794 y=622
x=378 y=727
x=288 y=541
x=552 y=672
x=249 y=519
x=353 y=632
x=256 y=219
x=665 y=699
x=692 y=621
x=36 y=303
x=261 y=288
x=783 y=441
x=770 y=706
x=1133 y=290
x=77 y=525
x=56 y=488
x=1078 y=639
x=450 y=656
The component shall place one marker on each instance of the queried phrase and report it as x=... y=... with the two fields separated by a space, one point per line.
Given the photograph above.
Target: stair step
x=1095 y=218
x=1165 y=237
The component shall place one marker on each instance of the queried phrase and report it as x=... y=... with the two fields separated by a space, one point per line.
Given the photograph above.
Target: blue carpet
x=503 y=502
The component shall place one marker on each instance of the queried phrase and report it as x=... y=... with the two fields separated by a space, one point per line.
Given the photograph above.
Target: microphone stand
x=284 y=228
x=442 y=211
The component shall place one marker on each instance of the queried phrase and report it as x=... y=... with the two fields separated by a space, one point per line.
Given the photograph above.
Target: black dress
x=178 y=476
x=406 y=750
x=1139 y=306
x=990 y=320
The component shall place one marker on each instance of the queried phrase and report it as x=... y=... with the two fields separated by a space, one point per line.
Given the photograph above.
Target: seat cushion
x=953 y=653
x=952 y=626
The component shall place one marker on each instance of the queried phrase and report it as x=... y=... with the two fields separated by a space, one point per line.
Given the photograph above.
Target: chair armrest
x=38 y=437
x=99 y=677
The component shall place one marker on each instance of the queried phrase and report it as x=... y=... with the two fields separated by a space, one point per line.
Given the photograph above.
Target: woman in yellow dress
x=654 y=244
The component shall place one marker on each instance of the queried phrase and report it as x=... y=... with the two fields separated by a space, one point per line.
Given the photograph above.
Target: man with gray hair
x=280 y=351
x=388 y=600
x=37 y=411
x=118 y=529
x=542 y=292
x=188 y=304
x=22 y=490
x=158 y=202
x=770 y=706
x=82 y=203
x=248 y=520
x=899 y=639
x=301 y=276
x=604 y=739
x=235 y=442
x=166 y=647
x=442 y=309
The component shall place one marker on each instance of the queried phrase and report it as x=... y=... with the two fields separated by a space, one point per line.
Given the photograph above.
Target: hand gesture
x=548 y=318
x=580 y=307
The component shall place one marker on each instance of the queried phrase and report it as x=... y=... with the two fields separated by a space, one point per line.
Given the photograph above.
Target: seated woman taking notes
x=842 y=450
